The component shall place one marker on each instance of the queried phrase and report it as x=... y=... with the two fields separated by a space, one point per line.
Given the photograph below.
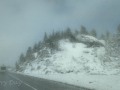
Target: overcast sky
x=23 y=22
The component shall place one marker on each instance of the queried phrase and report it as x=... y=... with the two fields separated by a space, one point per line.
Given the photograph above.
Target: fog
x=23 y=22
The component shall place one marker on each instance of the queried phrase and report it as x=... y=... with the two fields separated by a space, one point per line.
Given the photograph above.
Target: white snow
x=76 y=64
x=73 y=57
x=88 y=38
x=96 y=82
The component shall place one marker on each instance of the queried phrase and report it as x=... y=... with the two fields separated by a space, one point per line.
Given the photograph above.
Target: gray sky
x=23 y=22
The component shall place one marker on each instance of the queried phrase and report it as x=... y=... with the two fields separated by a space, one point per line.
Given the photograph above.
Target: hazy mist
x=23 y=22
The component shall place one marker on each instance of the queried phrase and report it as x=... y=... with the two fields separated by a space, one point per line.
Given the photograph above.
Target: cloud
x=23 y=22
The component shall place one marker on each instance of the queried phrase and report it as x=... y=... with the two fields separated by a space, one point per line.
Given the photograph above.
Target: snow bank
x=97 y=82
x=90 y=40
x=76 y=64
x=73 y=58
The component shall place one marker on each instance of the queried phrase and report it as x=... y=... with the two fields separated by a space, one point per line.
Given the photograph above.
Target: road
x=12 y=81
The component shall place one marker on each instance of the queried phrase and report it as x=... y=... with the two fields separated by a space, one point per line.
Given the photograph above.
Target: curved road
x=12 y=81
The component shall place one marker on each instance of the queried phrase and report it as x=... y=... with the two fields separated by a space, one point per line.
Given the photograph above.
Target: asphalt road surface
x=12 y=81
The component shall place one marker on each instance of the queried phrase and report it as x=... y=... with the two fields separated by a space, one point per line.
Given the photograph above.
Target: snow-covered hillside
x=81 y=61
x=72 y=58
x=84 y=56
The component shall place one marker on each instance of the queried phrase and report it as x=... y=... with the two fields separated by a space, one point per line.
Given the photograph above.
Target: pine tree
x=22 y=58
x=93 y=33
x=113 y=47
x=118 y=33
x=76 y=32
x=29 y=54
x=118 y=29
x=68 y=32
x=102 y=37
x=35 y=48
x=83 y=30
x=17 y=66
x=40 y=45
x=45 y=37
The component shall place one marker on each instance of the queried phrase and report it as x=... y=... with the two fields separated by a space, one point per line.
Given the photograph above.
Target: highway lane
x=9 y=83
x=13 y=81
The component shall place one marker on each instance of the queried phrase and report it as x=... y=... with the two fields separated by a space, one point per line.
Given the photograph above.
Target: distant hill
x=68 y=52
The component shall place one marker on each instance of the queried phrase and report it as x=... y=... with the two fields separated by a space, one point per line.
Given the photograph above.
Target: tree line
x=51 y=41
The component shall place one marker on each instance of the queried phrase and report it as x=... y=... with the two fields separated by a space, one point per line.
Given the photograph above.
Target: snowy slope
x=72 y=58
x=78 y=63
